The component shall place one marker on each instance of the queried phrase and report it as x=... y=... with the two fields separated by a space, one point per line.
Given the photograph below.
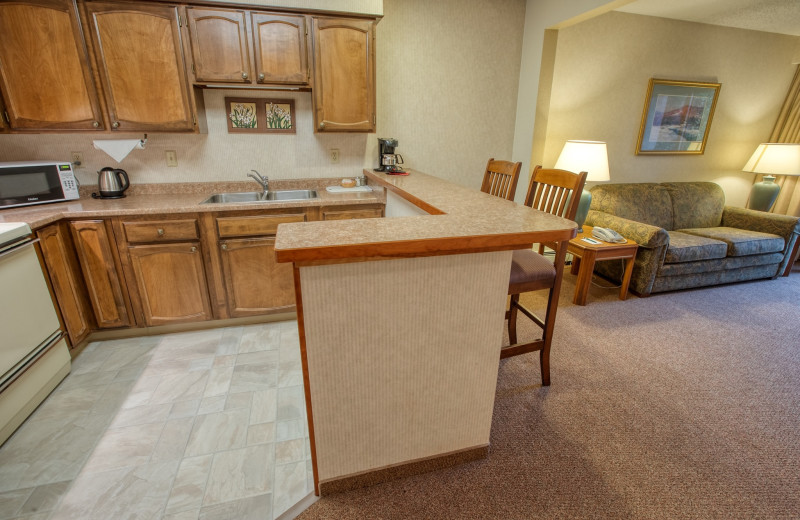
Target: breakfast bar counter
x=401 y=323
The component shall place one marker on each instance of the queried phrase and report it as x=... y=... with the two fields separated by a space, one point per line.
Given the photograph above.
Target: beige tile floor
x=199 y=425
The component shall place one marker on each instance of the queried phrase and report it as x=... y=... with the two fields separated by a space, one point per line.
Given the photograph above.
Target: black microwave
x=36 y=182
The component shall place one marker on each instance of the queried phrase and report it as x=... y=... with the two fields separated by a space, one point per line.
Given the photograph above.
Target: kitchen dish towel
x=118 y=149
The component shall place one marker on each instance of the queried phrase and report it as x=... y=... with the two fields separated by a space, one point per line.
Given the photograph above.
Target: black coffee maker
x=388 y=161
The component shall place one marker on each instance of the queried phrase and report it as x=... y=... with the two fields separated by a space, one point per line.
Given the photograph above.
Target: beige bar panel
x=395 y=374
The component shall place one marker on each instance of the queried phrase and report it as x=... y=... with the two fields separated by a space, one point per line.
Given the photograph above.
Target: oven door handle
x=16 y=246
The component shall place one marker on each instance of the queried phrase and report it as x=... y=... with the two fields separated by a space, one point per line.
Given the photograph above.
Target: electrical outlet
x=334 y=153
x=77 y=158
x=172 y=157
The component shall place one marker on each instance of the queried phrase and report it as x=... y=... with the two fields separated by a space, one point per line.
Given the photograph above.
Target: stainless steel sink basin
x=257 y=196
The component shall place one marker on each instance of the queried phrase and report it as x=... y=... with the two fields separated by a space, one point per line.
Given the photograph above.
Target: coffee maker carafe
x=388 y=161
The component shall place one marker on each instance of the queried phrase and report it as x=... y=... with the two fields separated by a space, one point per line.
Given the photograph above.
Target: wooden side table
x=584 y=255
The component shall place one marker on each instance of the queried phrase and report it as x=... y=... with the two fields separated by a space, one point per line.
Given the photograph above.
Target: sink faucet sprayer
x=262 y=180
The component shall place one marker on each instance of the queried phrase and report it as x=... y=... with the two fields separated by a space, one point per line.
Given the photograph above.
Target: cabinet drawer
x=257 y=225
x=161 y=230
x=346 y=214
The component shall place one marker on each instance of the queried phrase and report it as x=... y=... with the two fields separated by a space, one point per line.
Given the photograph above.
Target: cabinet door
x=280 y=48
x=344 y=75
x=138 y=48
x=219 y=45
x=100 y=272
x=171 y=282
x=255 y=283
x=66 y=281
x=44 y=69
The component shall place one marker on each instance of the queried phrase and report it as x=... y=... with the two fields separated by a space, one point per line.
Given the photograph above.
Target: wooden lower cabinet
x=171 y=282
x=255 y=283
x=100 y=266
x=348 y=212
x=67 y=283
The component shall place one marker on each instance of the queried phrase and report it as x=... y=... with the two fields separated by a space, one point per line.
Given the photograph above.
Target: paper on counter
x=118 y=149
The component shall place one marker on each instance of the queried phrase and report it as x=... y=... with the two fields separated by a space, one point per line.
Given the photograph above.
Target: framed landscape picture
x=677 y=116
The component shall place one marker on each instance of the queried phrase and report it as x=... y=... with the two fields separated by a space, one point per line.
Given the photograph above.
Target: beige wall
x=446 y=88
x=600 y=80
x=448 y=83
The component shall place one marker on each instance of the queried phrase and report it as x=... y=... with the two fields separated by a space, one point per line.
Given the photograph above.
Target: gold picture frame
x=677 y=117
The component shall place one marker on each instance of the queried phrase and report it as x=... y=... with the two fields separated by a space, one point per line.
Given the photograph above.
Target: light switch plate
x=172 y=158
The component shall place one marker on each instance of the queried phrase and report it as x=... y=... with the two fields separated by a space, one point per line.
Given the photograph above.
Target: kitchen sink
x=257 y=196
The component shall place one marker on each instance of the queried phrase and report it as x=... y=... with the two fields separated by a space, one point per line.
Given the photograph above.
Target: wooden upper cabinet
x=280 y=49
x=139 y=54
x=344 y=75
x=227 y=43
x=45 y=77
x=219 y=45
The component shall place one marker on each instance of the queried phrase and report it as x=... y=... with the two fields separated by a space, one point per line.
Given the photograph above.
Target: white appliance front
x=27 y=316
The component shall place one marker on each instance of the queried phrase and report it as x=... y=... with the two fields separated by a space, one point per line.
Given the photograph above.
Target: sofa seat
x=718 y=264
x=685 y=247
x=741 y=242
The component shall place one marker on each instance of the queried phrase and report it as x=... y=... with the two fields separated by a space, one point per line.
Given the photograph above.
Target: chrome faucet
x=262 y=180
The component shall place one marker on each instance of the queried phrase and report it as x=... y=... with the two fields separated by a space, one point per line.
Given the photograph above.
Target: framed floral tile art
x=243 y=115
x=259 y=116
x=280 y=115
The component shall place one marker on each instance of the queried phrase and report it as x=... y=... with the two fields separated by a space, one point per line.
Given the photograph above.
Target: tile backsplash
x=215 y=156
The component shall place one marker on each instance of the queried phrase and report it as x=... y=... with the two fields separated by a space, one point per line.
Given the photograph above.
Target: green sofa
x=688 y=237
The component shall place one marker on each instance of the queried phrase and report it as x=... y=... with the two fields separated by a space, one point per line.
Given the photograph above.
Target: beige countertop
x=462 y=220
x=151 y=199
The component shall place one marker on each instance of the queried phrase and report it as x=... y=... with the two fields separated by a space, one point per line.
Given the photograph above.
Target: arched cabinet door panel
x=140 y=58
x=45 y=77
x=344 y=75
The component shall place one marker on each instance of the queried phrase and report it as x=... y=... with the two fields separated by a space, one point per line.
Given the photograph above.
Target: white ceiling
x=777 y=16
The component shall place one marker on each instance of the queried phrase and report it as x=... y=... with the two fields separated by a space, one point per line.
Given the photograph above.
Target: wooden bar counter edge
x=401 y=323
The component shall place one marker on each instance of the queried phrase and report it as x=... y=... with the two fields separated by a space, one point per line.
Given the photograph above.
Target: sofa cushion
x=741 y=242
x=645 y=202
x=695 y=204
x=684 y=247
x=729 y=263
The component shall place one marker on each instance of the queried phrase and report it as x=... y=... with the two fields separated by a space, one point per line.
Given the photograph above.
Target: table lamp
x=585 y=156
x=771 y=158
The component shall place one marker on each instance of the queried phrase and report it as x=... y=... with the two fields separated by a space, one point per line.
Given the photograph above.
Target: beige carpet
x=681 y=405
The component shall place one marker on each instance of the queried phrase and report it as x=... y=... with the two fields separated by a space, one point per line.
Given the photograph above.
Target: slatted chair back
x=555 y=191
x=500 y=178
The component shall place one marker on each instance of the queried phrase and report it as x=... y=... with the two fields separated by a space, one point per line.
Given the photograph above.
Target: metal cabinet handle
x=261 y=77
x=115 y=124
x=95 y=124
x=160 y=232
x=194 y=249
x=322 y=125
x=224 y=247
x=244 y=75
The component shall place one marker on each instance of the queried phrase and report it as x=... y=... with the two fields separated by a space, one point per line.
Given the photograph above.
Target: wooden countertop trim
x=421 y=204
x=462 y=221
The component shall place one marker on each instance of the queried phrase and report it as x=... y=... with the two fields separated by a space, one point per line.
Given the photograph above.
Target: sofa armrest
x=643 y=234
x=750 y=219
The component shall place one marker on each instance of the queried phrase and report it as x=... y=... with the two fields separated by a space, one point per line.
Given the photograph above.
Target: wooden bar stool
x=556 y=192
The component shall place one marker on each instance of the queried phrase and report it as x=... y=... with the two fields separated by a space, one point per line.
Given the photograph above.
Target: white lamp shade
x=585 y=156
x=775 y=158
